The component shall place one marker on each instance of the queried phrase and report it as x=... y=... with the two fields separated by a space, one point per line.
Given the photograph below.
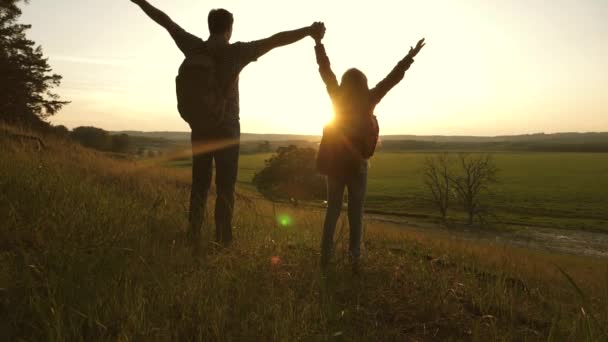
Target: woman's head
x=354 y=82
x=354 y=94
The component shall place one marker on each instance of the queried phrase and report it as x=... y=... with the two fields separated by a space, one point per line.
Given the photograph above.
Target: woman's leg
x=357 y=189
x=335 y=193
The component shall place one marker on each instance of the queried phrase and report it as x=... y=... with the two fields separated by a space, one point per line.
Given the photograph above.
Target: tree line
x=518 y=146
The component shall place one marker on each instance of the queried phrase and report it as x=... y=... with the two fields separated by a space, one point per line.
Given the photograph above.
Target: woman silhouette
x=348 y=142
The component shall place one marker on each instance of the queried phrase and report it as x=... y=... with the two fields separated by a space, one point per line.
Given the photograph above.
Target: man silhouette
x=222 y=142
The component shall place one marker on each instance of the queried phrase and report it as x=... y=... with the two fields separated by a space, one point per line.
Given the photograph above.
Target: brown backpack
x=201 y=101
x=336 y=156
x=370 y=133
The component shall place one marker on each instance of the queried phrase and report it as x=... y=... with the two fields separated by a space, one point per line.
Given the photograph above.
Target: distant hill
x=179 y=136
x=175 y=136
x=558 y=142
x=569 y=138
x=595 y=137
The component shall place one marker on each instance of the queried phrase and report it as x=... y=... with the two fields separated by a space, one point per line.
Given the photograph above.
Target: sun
x=312 y=123
x=315 y=115
x=305 y=114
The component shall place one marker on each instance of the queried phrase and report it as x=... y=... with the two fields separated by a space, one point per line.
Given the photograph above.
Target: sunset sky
x=489 y=68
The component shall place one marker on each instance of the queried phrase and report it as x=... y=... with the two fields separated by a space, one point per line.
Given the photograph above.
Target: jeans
x=357 y=188
x=224 y=149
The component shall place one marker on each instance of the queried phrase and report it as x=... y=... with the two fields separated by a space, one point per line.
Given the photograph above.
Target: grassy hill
x=93 y=248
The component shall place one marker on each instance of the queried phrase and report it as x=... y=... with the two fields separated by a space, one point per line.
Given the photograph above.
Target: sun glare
x=321 y=114
x=314 y=122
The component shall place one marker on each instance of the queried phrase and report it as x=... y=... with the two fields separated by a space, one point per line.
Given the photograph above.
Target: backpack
x=201 y=100
x=336 y=156
x=370 y=133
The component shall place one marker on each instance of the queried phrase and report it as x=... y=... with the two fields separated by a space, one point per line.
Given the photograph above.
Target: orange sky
x=489 y=68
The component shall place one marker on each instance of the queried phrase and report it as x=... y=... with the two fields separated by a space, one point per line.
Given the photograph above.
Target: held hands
x=415 y=50
x=317 y=31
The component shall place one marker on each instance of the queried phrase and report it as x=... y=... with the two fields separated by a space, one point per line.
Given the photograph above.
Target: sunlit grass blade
x=586 y=309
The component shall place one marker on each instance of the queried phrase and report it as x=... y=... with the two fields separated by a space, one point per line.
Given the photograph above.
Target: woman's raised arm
x=396 y=75
x=328 y=76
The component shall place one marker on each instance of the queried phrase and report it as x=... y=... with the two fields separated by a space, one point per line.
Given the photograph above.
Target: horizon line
x=388 y=135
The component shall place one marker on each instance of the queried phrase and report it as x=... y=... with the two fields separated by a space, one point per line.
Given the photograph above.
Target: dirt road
x=548 y=239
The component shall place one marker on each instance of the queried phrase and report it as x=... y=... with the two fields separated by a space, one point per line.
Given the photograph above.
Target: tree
x=291 y=173
x=477 y=172
x=121 y=143
x=60 y=131
x=264 y=147
x=437 y=180
x=26 y=84
x=92 y=137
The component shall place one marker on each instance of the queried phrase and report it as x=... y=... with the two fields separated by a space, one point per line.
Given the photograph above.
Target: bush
x=92 y=137
x=99 y=139
x=291 y=173
x=121 y=143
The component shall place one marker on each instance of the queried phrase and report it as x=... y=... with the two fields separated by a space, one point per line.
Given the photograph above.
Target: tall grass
x=94 y=249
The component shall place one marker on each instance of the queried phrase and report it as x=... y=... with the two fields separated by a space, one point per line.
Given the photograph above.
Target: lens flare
x=197 y=148
x=275 y=260
x=284 y=220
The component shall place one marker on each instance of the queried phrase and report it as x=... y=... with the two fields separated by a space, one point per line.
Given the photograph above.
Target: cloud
x=94 y=86
x=95 y=61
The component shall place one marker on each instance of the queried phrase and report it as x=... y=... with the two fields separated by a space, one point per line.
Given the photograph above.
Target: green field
x=563 y=190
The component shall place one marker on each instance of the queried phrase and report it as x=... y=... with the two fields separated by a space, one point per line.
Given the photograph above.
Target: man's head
x=220 y=23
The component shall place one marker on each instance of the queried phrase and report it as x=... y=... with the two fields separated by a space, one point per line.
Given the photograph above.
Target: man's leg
x=226 y=167
x=201 y=182
x=335 y=194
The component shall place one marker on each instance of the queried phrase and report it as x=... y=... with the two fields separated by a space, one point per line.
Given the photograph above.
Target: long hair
x=354 y=93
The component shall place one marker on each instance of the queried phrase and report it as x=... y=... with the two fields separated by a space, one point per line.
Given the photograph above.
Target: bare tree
x=477 y=172
x=437 y=179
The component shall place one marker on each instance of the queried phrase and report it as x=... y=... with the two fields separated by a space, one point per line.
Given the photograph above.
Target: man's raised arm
x=286 y=38
x=184 y=40
x=158 y=16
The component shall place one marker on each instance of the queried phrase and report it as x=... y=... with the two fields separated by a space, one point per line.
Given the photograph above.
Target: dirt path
x=548 y=239
x=593 y=244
